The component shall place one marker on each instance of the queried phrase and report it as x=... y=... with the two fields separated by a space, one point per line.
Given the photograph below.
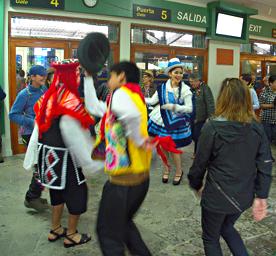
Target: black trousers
x=74 y=196
x=215 y=225
x=35 y=187
x=115 y=227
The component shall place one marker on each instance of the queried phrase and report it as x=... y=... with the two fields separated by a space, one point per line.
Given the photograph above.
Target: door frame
x=67 y=46
x=13 y=43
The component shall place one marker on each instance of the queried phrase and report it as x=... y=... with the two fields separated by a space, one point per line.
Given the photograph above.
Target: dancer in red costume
x=61 y=146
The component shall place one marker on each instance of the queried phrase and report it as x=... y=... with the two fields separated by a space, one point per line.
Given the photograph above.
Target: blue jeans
x=215 y=225
x=270 y=131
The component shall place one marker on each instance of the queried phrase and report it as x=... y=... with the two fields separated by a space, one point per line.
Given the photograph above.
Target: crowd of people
x=232 y=160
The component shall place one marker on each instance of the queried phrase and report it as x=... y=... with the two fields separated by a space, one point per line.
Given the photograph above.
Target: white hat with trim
x=173 y=63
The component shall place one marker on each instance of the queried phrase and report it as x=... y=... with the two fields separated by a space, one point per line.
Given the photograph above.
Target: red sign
x=225 y=57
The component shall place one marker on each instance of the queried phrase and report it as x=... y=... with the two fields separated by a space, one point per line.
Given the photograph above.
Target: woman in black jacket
x=233 y=148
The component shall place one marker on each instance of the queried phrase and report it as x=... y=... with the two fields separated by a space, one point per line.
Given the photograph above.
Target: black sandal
x=178 y=180
x=165 y=177
x=84 y=239
x=58 y=236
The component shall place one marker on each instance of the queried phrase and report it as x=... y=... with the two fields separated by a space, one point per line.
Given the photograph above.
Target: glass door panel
x=192 y=64
x=156 y=62
x=270 y=68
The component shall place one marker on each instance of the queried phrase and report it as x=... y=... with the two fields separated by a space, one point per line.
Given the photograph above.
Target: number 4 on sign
x=55 y=3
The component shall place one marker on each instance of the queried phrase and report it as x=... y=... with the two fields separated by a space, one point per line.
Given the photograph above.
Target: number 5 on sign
x=164 y=15
x=55 y=3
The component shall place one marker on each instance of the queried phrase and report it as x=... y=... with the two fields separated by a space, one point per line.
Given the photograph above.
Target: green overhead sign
x=172 y=12
x=228 y=22
x=261 y=28
x=48 y=4
x=160 y=10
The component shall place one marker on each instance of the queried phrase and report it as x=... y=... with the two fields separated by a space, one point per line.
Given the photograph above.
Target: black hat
x=93 y=51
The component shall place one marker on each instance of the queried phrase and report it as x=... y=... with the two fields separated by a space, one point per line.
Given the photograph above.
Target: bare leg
x=57 y=211
x=177 y=162
x=166 y=172
x=167 y=154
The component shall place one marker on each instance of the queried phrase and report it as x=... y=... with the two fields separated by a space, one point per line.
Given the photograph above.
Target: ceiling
x=266 y=8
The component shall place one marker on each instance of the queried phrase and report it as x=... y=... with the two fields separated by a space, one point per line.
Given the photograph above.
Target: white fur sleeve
x=79 y=142
x=153 y=100
x=31 y=155
x=92 y=103
x=188 y=107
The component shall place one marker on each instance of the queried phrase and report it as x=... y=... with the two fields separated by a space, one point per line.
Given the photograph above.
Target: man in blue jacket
x=22 y=113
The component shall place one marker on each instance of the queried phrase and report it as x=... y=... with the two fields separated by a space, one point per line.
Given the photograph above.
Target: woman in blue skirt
x=172 y=116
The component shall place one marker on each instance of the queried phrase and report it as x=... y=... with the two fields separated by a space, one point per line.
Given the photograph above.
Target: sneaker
x=39 y=204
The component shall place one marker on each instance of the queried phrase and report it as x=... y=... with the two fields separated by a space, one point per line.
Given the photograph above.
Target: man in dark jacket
x=148 y=88
x=2 y=97
x=204 y=106
x=237 y=158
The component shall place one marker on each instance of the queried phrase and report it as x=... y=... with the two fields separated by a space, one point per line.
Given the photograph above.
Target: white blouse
x=186 y=96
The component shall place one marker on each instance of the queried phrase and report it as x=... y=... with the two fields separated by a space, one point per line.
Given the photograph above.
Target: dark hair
x=21 y=73
x=271 y=79
x=130 y=69
x=247 y=78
